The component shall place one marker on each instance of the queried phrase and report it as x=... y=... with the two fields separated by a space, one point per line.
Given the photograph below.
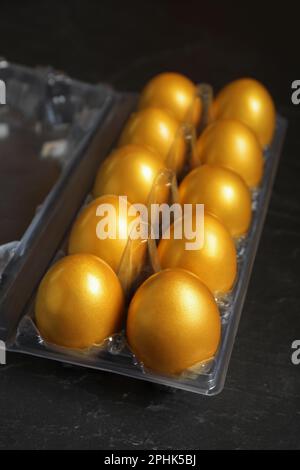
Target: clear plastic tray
x=116 y=357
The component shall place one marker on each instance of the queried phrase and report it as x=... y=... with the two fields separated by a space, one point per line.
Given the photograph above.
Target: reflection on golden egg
x=223 y=193
x=247 y=100
x=214 y=262
x=157 y=129
x=79 y=302
x=175 y=93
x=231 y=144
x=129 y=171
x=173 y=322
x=103 y=229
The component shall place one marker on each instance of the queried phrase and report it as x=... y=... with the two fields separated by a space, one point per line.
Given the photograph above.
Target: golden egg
x=159 y=131
x=214 y=262
x=175 y=93
x=231 y=144
x=129 y=171
x=103 y=229
x=79 y=302
x=173 y=322
x=223 y=193
x=248 y=101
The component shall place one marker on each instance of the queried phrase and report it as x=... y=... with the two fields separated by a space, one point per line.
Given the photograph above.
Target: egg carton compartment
x=115 y=356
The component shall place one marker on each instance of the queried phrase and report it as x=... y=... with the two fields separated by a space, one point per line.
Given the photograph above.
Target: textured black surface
x=48 y=405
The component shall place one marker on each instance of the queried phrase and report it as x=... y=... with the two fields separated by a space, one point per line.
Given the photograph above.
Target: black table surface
x=44 y=404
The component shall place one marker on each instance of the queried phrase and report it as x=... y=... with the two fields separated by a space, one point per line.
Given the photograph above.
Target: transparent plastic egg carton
x=115 y=356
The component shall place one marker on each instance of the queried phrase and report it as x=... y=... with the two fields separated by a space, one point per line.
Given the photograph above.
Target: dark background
x=48 y=405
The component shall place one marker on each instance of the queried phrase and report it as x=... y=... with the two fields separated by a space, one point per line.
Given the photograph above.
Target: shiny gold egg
x=129 y=171
x=223 y=193
x=79 y=302
x=247 y=100
x=103 y=229
x=231 y=144
x=156 y=129
x=214 y=262
x=173 y=322
x=175 y=93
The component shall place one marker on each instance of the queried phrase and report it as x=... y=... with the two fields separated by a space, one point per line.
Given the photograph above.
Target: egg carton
x=114 y=355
